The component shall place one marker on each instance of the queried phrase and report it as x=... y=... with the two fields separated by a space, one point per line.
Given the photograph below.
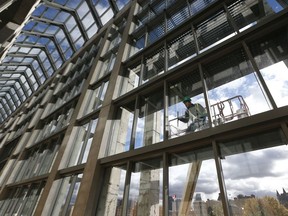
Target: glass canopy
x=53 y=33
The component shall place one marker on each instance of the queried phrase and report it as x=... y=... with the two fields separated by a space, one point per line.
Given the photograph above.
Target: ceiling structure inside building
x=37 y=37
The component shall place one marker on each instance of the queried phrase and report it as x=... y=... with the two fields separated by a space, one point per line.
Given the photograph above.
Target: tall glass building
x=144 y=107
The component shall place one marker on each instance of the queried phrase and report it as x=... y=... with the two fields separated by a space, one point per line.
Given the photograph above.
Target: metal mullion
x=205 y=91
x=127 y=183
x=142 y=70
x=230 y=18
x=113 y=6
x=94 y=14
x=166 y=104
x=221 y=182
x=165 y=184
x=195 y=39
x=134 y=124
x=259 y=76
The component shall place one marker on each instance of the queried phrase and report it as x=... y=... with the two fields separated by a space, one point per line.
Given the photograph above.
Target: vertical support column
x=165 y=184
x=260 y=77
x=223 y=193
x=90 y=188
x=205 y=91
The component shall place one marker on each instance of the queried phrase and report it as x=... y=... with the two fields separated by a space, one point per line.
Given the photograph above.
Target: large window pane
x=181 y=118
x=66 y=194
x=271 y=56
x=154 y=65
x=181 y=48
x=131 y=78
x=82 y=143
x=111 y=200
x=255 y=174
x=145 y=194
x=149 y=127
x=121 y=131
x=233 y=88
x=190 y=173
x=213 y=31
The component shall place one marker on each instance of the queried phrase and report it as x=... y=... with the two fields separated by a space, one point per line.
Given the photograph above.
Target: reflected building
x=93 y=94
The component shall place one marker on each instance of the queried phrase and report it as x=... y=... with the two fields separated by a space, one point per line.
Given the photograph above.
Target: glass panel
x=121 y=130
x=190 y=173
x=136 y=45
x=154 y=65
x=130 y=78
x=233 y=88
x=271 y=56
x=95 y=98
x=111 y=200
x=50 y=155
x=184 y=119
x=177 y=17
x=31 y=200
x=255 y=174
x=181 y=48
x=149 y=127
x=156 y=33
x=66 y=195
x=213 y=31
x=145 y=194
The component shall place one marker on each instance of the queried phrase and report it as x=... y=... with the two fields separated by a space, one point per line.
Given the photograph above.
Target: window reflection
x=190 y=174
x=111 y=200
x=145 y=193
x=66 y=194
x=121 y=131
x=255 y=174
x=270 y=54
x=82 y=143
x=149 y=125
x=233 y=88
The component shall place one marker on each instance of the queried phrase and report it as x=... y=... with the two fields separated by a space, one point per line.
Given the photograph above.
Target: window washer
x=195 y=115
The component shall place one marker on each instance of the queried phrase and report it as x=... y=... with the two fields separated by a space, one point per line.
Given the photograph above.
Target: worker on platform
x=195 y=115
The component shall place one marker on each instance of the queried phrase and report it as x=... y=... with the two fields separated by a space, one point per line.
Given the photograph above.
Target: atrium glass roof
x=53 y=33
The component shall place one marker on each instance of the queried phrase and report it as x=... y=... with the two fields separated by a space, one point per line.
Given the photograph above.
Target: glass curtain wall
x=255 y=174
x=251 y=172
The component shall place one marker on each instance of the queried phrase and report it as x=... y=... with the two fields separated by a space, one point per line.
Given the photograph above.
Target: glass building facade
x=146 y=108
